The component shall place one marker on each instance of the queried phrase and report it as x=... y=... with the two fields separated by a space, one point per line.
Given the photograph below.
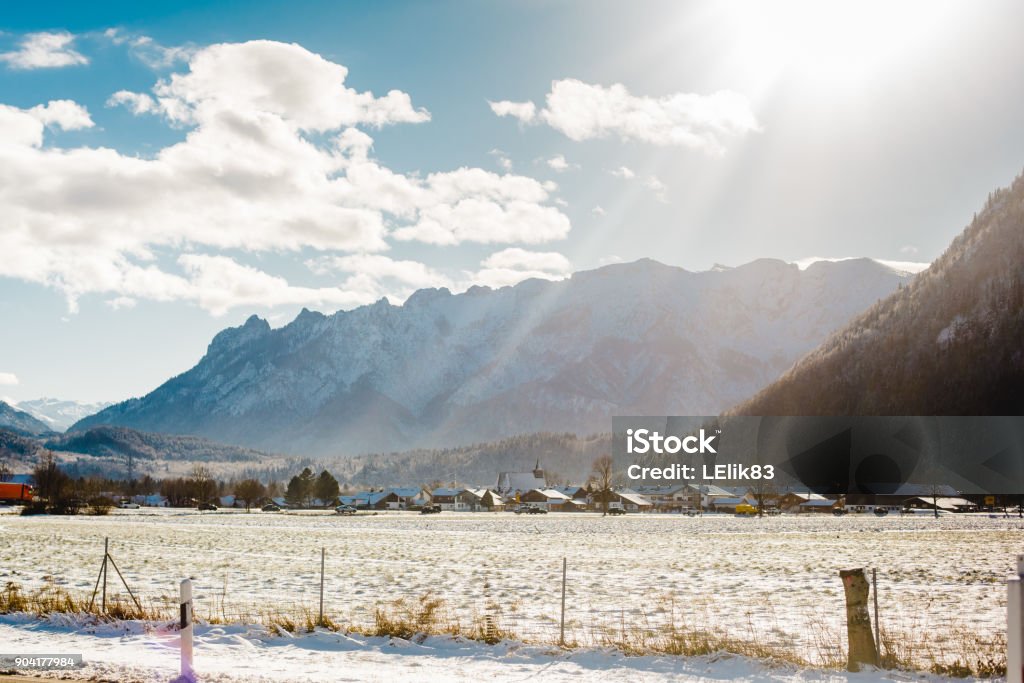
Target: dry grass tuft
x=687 y=631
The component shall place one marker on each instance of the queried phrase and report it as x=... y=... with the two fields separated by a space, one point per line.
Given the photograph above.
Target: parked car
x=534 y=510
x=208 y=507
x=616 y=511
x=271 y=507
x=128 y=505
x=345 y=510
x=430 y=510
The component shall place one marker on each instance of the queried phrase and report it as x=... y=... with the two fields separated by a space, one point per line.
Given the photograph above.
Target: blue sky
x=522 y=139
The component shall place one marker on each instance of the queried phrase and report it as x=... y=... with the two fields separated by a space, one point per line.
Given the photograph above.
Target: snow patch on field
x=148 y=651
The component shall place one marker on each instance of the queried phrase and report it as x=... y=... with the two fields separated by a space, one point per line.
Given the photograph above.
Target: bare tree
x=601 y=480
x=249 y=490
x=202 y=483
x=555 y=479
x=5 y=469
x=764 y=490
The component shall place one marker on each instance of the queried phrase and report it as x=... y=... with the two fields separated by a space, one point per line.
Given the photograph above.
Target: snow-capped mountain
x=444 y=369
x=58 y=415
x=19 y=421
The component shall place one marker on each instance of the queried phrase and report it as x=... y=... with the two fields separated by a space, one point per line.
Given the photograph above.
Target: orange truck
x=15 y=493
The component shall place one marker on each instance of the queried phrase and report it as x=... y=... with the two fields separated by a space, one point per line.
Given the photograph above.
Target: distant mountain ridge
x=107 y=441
x=445 y=370
x=21 y=422
x=949 y=343
x=60 y=414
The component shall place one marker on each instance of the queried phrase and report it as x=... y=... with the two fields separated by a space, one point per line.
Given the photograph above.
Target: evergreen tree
x=327 y=488
x=300 y=488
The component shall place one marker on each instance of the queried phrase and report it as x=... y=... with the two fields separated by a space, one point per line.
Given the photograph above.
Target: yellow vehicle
x=745 y=509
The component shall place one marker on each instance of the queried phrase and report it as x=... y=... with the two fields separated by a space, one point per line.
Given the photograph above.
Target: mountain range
x=542 y=356
x=59 y=414
x=21 y=422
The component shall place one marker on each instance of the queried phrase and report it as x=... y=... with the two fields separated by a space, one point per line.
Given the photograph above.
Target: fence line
x=559 y=614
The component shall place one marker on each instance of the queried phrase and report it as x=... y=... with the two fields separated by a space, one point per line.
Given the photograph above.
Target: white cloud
x=509 y=266
x=521 y=259
x=219 y=284
x=473 y=205
x=503 y=161
x=583 y=111
x=598 y=211
x=909 y=249
x=372 y=276
x=524 y=111
x=270 y=162
x=284 y=80
x=25 y=127
x=651 y=182
x=137 y=103
x=8 y=379
x=117 y=303
x=559 y=164
x=150 y=52
x=654 y=184
x=623 y=172
x=44 y=51
x=64 y=114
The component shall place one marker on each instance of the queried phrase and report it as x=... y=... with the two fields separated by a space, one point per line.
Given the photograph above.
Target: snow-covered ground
x=773 y=580
x=134 y=651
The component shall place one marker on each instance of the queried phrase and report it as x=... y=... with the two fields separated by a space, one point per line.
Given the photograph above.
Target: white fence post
x=561 y=630
x=1015 y=625
x=323 y=556
x=187 y=672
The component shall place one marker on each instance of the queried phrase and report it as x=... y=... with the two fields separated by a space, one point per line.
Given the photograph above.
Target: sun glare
x=833 y=42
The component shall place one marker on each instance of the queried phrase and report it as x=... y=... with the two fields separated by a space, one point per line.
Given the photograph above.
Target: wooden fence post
x=874 y=596
x=858 y=620
x=106 y=554
x=1015 y=625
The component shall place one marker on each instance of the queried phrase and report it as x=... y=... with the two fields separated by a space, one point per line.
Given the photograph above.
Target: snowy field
x=133 y=652
x=773 y=580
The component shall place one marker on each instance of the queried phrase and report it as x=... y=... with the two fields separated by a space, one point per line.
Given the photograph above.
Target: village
x=522 y=492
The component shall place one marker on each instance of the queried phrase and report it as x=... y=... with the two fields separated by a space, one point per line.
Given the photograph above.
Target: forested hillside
x=951 y=342
x=121 y=441
x=566 y=458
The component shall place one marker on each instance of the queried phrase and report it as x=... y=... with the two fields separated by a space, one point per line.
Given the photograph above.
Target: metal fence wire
x=547 y=602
